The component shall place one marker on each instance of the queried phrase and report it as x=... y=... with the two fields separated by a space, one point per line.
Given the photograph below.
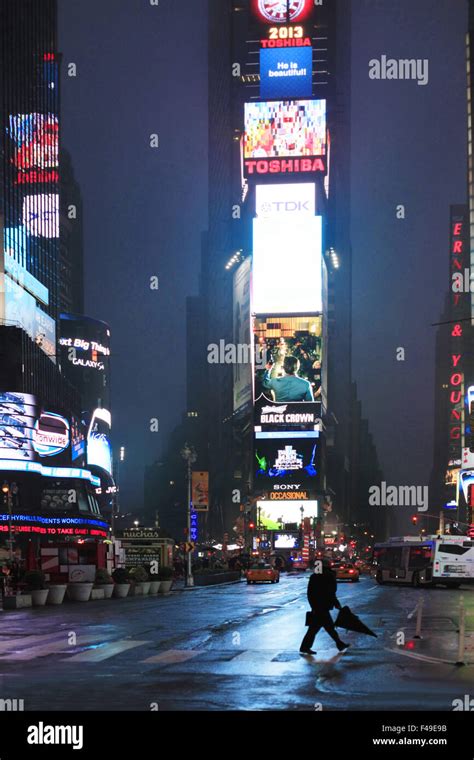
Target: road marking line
x=58 y=646
x=416 y=656
x=174 y=656
x=105 y=651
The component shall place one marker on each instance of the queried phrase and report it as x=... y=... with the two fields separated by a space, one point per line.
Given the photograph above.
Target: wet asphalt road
x=235 y=647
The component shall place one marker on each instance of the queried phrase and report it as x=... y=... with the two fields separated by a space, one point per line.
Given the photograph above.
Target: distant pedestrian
x=322 y=597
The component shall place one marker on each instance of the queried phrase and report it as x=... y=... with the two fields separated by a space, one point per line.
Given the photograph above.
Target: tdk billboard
x=286 y=73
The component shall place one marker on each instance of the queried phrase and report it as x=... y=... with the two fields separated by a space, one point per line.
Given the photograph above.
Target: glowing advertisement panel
x=17 y=419
x=289 y=419
x=54 y=526
x=242 y=386
x=288 y=199
x=286 y=541
x=275 y=516
x=286 y=73
x=277 y=338
x=21 y=310
x=99 y=450
x=36 y=140
x=288 y=461
x=285 y=137
x=287 y=265
x=50 y=434
x=41 y=215
x=281 y=11
x=31 y=433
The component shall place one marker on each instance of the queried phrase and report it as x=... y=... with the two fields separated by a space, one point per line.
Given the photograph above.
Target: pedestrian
x=322 y=597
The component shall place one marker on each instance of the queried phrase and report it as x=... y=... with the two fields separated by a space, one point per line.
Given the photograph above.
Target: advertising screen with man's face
x=279 y=337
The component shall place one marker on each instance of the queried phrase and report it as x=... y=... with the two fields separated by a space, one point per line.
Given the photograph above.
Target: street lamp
x=8 y=491
x=189 y=455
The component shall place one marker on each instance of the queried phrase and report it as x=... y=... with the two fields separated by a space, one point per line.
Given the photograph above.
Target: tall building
x=49 y=492
x=276 y=263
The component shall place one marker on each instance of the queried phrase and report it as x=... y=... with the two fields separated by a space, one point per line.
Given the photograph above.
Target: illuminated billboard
x=289 y=199
x=277 y=515
x=286 y=73
x=242 y=385
x=286 y=136
x=50 y=434
x=277 y=338
x=21 y=309
x=30 y=433
x=88 y=354
x=36 y=140
x=281 y=11
x=99 y=449
x=272 y=418
x=17 y=419
x=287 y=265
x=41 y=215
x=287 y=460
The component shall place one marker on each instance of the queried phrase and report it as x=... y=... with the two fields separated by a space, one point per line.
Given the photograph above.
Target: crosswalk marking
x=174 y=656
x=6 y=646
x=103 y=651
x=43 y=650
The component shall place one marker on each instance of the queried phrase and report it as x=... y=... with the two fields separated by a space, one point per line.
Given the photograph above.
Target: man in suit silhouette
x=322 y=597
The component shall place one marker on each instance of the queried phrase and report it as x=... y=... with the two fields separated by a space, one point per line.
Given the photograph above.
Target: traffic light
x=251 y=525
x=414 y=519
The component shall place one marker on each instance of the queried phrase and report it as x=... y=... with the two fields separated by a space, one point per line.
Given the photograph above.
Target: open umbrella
x=346 y=619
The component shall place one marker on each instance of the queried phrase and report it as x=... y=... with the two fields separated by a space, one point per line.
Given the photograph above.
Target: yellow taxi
x=345 y=571
x=262 y=573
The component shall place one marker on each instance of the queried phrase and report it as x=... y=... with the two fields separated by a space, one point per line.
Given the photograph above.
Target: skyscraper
x=266 y=74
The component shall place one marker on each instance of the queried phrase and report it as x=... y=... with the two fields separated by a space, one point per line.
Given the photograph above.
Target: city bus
x=435 y=560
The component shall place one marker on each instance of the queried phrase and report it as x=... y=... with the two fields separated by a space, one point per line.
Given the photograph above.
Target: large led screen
x=242 y=335
x=287 y=265
x=283 y=129
x=99 y=450
x=276 y=515
x=32 y=433
x=36 y=140
x=17 y=420
x=41 y=215
x=277 y=338
x=288 y=199
x=287 y=460
x=286 y=73
x=21 y=309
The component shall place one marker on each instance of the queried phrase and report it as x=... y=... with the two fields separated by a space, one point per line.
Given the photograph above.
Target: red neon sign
x=284 y=166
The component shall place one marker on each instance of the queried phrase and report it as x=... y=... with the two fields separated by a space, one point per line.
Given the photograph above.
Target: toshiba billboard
x=285 y=137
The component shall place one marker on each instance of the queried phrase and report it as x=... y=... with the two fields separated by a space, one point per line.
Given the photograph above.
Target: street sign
x=189 y=547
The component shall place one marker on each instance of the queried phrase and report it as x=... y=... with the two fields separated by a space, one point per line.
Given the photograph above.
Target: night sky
x=141 y=70
x=144 y=209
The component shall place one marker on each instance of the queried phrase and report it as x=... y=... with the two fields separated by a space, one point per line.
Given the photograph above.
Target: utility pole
x=189 y=455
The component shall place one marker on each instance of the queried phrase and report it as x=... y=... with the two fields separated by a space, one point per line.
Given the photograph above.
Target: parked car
x=262 y=573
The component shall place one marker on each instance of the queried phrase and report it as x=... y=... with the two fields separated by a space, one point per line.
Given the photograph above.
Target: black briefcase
x=309 y=618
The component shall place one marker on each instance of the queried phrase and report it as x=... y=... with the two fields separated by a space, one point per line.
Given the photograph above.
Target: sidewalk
x=440 y=633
